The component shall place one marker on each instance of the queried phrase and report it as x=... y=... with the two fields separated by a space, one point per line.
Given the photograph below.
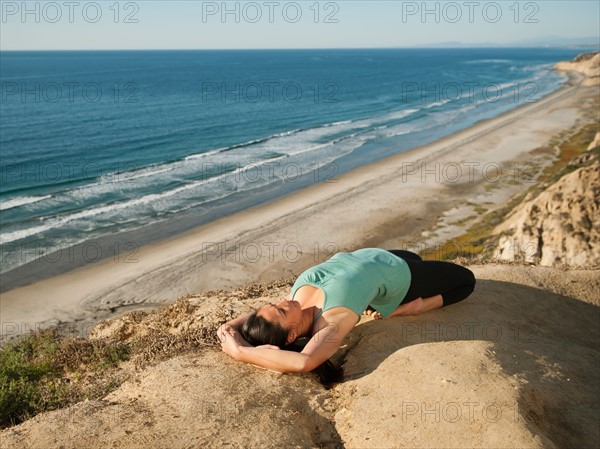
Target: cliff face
x=586 y=63
x=560 y=226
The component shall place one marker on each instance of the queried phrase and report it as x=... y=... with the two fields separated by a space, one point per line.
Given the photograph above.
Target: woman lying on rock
x=327 y=301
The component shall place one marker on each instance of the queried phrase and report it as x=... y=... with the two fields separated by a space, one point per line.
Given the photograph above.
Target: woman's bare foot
x=373 y=313
x=414 y=307
x=418 y=306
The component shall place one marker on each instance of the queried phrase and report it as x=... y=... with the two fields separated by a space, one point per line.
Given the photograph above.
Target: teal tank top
x=368 y=276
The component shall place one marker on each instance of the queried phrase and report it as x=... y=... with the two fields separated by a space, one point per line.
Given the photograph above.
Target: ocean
x=104 y=151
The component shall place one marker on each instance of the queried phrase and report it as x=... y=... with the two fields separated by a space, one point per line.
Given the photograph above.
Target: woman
x=327 y=301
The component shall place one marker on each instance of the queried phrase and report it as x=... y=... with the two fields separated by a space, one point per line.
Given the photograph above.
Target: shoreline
x=282 y=237
x=45 y=264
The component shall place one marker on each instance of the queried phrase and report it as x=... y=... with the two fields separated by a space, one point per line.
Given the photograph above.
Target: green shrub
x=45 y=370
x=25 y=366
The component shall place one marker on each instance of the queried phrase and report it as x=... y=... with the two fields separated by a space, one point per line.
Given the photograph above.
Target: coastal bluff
x=559 y=226
x=586 y=63
x=514 y=365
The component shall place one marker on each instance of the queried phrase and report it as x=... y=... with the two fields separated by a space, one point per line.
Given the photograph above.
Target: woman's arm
x=265 y=356
x=236 y=323
x=321 y=347
x=273 y=358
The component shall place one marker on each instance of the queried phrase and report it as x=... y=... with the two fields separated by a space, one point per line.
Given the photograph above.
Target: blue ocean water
x=116 y=146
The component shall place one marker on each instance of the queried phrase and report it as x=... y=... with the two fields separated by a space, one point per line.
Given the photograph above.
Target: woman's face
x=285 y=312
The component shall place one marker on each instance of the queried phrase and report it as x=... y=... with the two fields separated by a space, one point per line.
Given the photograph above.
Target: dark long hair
x=257 y=331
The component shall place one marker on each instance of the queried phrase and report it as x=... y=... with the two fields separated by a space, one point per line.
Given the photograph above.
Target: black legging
x=430 y=278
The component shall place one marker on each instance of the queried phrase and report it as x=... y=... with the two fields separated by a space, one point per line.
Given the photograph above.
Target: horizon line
x=419 y=47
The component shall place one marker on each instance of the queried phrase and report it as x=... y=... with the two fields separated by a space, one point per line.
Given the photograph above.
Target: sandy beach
x=390 y=203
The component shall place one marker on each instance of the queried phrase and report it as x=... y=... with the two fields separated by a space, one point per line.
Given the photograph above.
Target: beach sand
x=389 y=203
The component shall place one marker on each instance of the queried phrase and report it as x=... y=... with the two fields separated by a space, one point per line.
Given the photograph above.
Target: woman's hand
x=231 y=341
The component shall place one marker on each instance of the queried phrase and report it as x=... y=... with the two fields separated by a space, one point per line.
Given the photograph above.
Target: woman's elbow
x=308 y=365
x=299 y=364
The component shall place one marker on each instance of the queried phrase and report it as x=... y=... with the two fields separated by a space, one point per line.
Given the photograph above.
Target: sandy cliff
x=514 y=365
x=560 y=225
x=586 y=63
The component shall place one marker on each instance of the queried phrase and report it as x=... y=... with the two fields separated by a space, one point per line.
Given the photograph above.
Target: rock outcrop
x=586 y=63
x=514 y=365
x=559 y=226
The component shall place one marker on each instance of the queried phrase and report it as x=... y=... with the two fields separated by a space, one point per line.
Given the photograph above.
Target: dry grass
x=47 y=370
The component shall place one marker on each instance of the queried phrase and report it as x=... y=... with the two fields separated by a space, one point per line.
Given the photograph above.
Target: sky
x=157 y=24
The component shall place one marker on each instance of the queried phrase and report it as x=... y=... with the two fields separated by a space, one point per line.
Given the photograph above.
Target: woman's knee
x=463 y=291
x=470 y=277
x=462 y=275
x=404 y=254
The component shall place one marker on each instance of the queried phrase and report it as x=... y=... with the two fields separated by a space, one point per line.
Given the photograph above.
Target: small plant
x=26 y=369
x=45 y=370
